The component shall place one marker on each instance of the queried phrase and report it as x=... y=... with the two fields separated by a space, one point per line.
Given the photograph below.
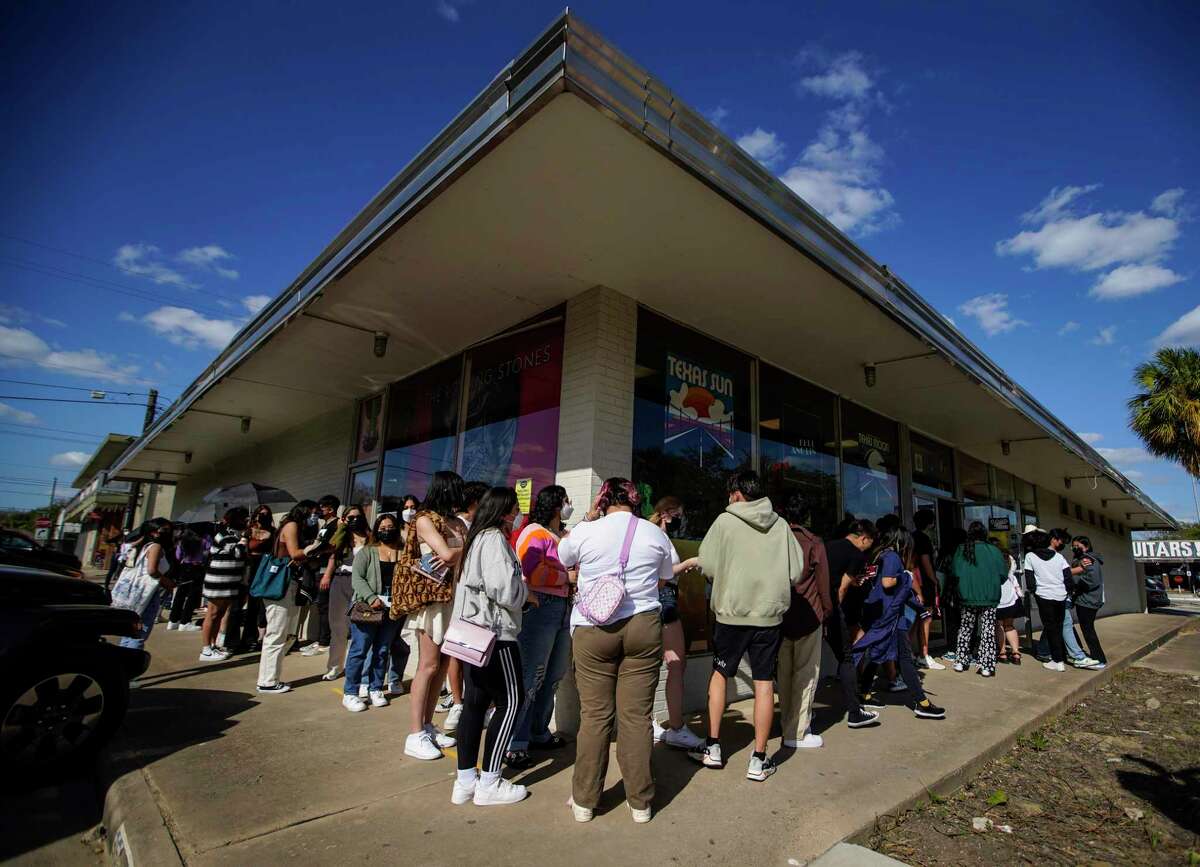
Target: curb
x=955 y=779
x=136 y=830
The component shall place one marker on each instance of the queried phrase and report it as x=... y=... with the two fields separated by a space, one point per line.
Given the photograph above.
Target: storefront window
x=691 y=420
x=974 y=475
x=362 y=490
x=511 y=430
x=798 y=445
x=871 y=455
x=370 y=429
x=1003 y=485
x=1027 y=501
x=933 y=466
x=422 y=425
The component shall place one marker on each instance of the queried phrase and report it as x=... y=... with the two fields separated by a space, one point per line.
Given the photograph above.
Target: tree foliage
x=1165 y=413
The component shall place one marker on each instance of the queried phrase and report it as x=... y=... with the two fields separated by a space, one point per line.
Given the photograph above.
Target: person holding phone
x=371 y=584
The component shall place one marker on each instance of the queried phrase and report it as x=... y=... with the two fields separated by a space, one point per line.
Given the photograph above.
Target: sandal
x=556 y=742
x=1016 y=659
x=518 y=760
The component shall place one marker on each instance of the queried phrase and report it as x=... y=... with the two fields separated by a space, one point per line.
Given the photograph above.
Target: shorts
x=1011 y=612
x=668 y=598
x=760 y=643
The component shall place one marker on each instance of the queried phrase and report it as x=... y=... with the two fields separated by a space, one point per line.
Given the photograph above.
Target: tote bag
x=136 y=587
x=273 y=578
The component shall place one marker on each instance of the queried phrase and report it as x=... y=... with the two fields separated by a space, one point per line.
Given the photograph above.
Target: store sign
x=1166 y=549
x=999 y=524
x=699 y=406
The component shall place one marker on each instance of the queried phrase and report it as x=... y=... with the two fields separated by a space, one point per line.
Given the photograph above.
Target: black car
x=64 y=686
x=1156 y=593
x=19 y=550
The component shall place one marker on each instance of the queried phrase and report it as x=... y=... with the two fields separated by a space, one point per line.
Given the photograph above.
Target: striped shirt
x=226 y=565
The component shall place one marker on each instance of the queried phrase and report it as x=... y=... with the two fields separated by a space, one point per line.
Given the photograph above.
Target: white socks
x=489 y=779
x=468 y=777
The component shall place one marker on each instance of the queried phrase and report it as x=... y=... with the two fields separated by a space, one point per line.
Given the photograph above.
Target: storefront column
x=595 y=418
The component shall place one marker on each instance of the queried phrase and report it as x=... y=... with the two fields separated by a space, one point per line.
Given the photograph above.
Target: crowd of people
x=502 y=604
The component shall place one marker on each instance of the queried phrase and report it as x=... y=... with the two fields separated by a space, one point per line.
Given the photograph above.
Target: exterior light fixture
x=245 y=424
x=869 y=375
x=381 y=340
x=1067 y=482
x=187 y=457
x=1005 y=448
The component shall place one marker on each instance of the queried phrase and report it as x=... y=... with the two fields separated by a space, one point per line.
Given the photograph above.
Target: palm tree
x=1165 y=413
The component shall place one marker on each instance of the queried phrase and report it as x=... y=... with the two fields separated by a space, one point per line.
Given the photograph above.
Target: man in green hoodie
x=753 y=560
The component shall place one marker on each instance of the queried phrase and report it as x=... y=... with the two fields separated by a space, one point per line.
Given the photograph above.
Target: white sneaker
x=640 y=817
x=503 y=792
x=657 y=732
x=1085 y=662
x=364 y=691
x=378 y=699
x=682 y=738
x=808 y=742
x=709 y=756
x=313 y=650
x=213 y=654
x=960 y=667
x=932 y=663
x=333 y=673
x=1054 y=666
x=582 y=814
x=462 y=793
x=420 y=745
x=171 y=627
x=444 y=704
x=353 y=703
x=190 y=627
x=443 y=741
x=452 y=717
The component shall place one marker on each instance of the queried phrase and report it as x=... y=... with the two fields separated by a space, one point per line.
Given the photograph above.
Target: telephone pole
x=135 y=488
x=53 y=491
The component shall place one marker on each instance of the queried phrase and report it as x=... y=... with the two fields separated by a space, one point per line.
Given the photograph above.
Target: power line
x=72 y=400
x=55 y=429
x=73 y=442
x=90 y=370
x=74 y=387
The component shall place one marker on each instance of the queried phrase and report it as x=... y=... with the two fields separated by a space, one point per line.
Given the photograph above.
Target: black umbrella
x=249 y=494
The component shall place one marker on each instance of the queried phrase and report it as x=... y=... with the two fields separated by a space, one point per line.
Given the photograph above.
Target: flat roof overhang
x=576 y=168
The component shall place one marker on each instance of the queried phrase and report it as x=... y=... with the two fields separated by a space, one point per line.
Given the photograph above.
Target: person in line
x=616 y=663
x=800 y=650
x=754 y=561
x=926 y=585
x=371 y=583
x=1060 y=541
x=1011 y=607
x=149 y=566
x=545 y=639
x=280 y=613
x=668 y=517
x=847 y=561
x=252 y=618
x=318 y=552
x=981 y=570
x=472 y=493
x=1048 y=572
x=951 y=616
x=409 y=508
x=886 y=640
x=119 y=546
x=435 y=535
x=490 y=594
x=348 y=540
x=1089 y=597
x=223 y=579
x=191 y=553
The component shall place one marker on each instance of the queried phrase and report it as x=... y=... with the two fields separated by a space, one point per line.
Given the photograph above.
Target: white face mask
x=566 y=511
x=408 y=515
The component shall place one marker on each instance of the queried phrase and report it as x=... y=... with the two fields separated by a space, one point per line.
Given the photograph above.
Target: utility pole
x=135 y=488
x=53 y=491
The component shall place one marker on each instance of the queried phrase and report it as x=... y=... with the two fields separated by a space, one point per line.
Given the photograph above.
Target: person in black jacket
x=1088 y=570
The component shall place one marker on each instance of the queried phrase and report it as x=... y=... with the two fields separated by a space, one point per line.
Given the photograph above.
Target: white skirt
x=433 y=620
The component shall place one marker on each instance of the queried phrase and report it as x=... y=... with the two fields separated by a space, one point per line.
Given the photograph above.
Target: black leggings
x=500 y=683
x=1087 y=625
x=839 y=642
x=1053 y=613
x=908 y=669
x=187 y=593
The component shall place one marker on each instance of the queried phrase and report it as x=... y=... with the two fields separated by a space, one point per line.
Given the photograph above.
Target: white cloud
x=1068 y=326
x=1184 y=331
x=1129 y=281
x=1056 y=201
x=1126 y=455
x=13 y=315
x=1169 y=202
x=449 y=9
x=70 y=459
x=764 y=146
x=718 y=115
x=1134 y=475
x=254 y=303
x=843 y=78
x=208 y=257
x=992 y=313
x=185 y=327
x=22 y=346
x=145 y=260
x=1106 y=337
x=1090 y=438
x=18 y=415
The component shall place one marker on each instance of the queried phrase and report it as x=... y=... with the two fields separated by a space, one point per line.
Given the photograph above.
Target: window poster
x=700 y=403
x=370 y=432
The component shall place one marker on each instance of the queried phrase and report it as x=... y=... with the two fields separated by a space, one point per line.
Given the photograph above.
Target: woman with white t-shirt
x=617 y=662
x=1048 y=571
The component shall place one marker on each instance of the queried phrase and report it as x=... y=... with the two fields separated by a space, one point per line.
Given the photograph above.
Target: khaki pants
x=616 y=672
x=799 y=671
x=280 y=622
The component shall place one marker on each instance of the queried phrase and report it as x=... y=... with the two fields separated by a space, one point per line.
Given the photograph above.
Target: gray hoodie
x=1090 y=581
x=491 y=591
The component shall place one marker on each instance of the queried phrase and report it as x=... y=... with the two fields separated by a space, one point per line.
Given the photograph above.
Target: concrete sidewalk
x=208 y=772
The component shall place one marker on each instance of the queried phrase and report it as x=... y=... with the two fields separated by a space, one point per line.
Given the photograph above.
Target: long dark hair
x=898 y=540
x=269 y=524
x=975 y=533
x=148 y=533
x=298 y=515
x=549 y=501
x=495 y=506
x=190 y=542
x=444 y=496
x=386 y=516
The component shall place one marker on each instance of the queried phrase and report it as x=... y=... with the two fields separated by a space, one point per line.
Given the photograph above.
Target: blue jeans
x=369 y=646
x=398 y=655
x=149 y=616
x=1074 y=651
x=545 y=645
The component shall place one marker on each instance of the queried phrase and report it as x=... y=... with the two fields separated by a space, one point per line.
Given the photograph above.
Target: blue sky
x=1031 y=171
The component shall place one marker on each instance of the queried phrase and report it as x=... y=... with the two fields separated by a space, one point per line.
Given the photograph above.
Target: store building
x=581 y=277
x=1176 y=562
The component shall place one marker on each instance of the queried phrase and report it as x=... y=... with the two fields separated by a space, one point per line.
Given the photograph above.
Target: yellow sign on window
x=524 y=488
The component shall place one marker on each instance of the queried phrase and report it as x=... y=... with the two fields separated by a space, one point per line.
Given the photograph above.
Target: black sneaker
x=929 y=710
x=869 y=701
x=863 y=719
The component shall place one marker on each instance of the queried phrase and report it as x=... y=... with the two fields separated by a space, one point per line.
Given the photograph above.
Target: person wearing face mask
x=371 y=582
x=668 y=517
x=1088 y=570
x=146 y=579
x=545 y=639
x=348 y=540
x=452 y=704
x=411 y=506
x=223 y=579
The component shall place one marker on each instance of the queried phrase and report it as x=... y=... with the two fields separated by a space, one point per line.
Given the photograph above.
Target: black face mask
x=388 y=534
x=357 y=524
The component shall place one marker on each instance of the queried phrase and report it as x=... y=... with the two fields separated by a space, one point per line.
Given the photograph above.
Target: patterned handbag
x=600 y=598
x=412 y=587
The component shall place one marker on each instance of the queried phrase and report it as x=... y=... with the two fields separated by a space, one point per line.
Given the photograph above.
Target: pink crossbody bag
x=599 y=601
x=470 y=643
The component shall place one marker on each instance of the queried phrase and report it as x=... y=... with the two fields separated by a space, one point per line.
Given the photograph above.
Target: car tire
x=56 y=714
